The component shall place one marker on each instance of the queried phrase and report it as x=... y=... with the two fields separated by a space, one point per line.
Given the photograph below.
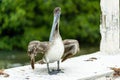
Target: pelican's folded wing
x=35 y=47
x=43 y=47
x=71 y=48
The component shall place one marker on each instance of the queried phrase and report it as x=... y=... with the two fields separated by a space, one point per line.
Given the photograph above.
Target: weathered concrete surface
x=88 y=67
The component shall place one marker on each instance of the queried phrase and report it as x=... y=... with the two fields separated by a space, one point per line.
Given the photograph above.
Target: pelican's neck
x=55 y=30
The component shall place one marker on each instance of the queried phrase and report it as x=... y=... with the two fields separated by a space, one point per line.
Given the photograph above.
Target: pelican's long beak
x=32 y=60
x=57 y=12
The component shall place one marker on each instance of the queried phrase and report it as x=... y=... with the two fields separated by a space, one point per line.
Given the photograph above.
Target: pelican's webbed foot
x=55 y=72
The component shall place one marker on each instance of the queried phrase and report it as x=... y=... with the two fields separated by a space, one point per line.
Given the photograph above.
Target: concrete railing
x=95 y=66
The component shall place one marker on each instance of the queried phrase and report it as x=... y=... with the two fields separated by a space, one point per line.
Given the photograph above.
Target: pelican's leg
x=58 y=68
x=48 y=68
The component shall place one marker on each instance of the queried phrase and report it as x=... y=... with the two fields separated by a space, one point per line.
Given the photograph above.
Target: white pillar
x=110 y=26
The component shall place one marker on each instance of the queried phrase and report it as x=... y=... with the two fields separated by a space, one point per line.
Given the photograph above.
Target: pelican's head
x=57 y=12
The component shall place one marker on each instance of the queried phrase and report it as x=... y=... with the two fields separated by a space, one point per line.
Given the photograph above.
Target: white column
x=110 y=26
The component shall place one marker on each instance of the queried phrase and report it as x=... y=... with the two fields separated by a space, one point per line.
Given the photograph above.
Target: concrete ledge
x=88 y=67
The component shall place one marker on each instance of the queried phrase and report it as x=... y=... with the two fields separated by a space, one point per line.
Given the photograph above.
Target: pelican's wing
x=35 y=47
x=71 y=48
x=43 y=47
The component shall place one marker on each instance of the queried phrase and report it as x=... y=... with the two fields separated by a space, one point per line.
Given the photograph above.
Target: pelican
x=55 y=49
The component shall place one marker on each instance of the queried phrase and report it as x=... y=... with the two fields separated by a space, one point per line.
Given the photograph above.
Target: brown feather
x=66 y=57
x=71 y=48
x=32 y=63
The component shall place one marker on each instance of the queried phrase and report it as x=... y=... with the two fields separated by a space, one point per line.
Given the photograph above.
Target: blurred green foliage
x=24 y=20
